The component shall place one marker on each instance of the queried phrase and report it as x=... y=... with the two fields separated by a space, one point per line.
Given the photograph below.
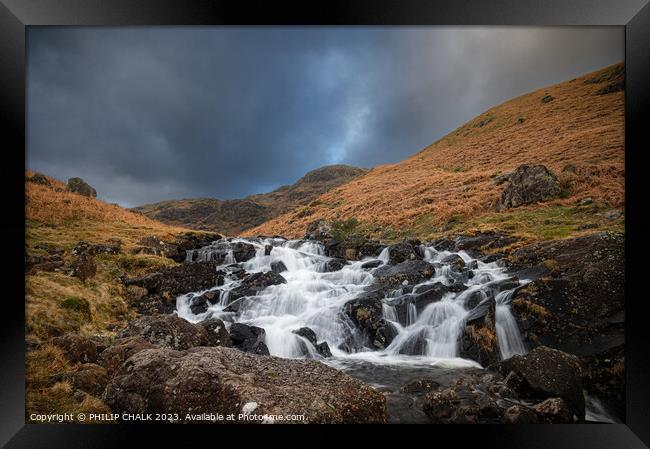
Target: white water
x=315 y=299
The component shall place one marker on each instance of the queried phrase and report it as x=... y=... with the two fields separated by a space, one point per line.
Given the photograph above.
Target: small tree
x=348 y=232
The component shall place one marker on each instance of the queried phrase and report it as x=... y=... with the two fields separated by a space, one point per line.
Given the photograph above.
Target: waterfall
x=313 y=297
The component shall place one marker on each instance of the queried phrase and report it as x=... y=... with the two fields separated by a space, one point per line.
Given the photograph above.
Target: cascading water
x=314 y=297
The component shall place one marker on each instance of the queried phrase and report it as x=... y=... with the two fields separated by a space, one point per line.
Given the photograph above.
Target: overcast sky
x=147 y=114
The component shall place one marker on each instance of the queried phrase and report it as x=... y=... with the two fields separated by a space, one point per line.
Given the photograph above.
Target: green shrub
x=348 y=232
x=80 y=305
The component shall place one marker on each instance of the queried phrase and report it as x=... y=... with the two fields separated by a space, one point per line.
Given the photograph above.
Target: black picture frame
x=16 y=15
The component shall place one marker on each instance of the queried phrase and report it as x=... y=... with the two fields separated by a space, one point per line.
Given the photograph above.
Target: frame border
x=16 y=15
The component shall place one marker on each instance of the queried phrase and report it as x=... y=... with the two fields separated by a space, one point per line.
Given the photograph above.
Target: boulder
x=217 y=333
x=76 y=348
x=113 y=357
x=554 y=411
x=278 y=267
x=268 y=249
x=479 y=340
x=90 y=377
x=307 y=333
x=83 y=267
x=225 y=381
x=162 y=288
x=169 y=331
x=409 y=272
x=455 y=261
x=529 y=184
x=200 y=304
x=254 y=283
x=404 y=251
x=324 y=349
x=576 y=304
x=81 y=187
x=370 y=248
x=548 y=373
x=248 y=339
x=371 y=264
x=334 y=264
x=39 y=178
x=319 y=230
x=366 y=314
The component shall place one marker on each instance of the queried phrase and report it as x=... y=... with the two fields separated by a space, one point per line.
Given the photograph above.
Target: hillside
x=234 y=216
x=575 y=128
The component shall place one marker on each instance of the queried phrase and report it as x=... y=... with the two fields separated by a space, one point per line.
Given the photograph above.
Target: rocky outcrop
x=548 y=373
x=81 y=187
x=322 y=348
x=90 y=378
x=157 y=292
x=365 y=312
x=76 y=348
x=483 y=397
x=248 y=339
x=479 y=339
x=226 y=381
x=404 y=251
x=576 y=304
x=409 y=272
x=217 y=333
x=168 y=331
x=83 y=267
x=529 y=184
x=254 y=283
x=112 y=357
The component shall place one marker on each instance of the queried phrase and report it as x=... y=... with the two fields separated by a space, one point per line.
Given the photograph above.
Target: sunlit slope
x=575 y=128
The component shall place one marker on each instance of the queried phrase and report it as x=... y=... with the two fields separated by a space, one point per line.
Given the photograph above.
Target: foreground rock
x=577 y=305
x=157 y=292
x=483 y=397
x=547 y=373
x=171 y=331
x=248 y=339
x=529 y=184
x=366 y=313
x=225 y=381
x=112 y=357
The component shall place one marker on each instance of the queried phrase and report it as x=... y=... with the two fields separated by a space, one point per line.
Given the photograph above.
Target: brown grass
x=453 y=176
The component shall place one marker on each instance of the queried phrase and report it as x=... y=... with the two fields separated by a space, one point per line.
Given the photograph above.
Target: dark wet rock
x=371 y=264
x=529 y=184
x=248 y=339
x=168 y=331
x=200 y=304
x=548 y=373
x=405 y=273
x=243 y=251
x=455 y=261
x=577 y=305
x=490 y=258
x=192 y=241
x=335 y=264
x=83 y=267
x=219 y=250
x=324 y=349
x=479 y=340
x=217 y=333
x=158 y=291
x=81 y=187
x=422 y=385
x=519 y=414
x=554 y=411
x=90 y=378
x=278 y=266
x=422 y=296
x=366 y=313
x=477 y=397
x=472 y=265
x=113 y=357
x=307 y=333
x=319 y=230
x=226 y=381
x=76 y=348
x=370 y=248
x=404 y=251
x=254 y=283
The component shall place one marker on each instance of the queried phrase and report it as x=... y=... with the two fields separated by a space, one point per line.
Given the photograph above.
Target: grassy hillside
x=233 y=216
x=575 y=128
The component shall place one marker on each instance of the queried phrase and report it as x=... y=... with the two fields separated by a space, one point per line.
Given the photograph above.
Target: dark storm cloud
x=156 y=113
